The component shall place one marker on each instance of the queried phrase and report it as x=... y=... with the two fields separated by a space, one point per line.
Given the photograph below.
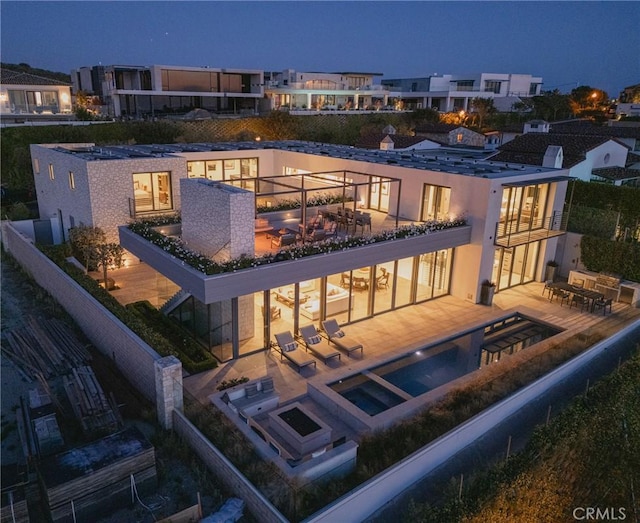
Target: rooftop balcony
x=520 y=231
x=210 y=282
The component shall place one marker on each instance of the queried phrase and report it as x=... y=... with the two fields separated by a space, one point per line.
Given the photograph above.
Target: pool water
x=426 y=369
x=418 y=373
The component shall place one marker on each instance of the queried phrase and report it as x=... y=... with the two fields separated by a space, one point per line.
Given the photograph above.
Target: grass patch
x=586 y=457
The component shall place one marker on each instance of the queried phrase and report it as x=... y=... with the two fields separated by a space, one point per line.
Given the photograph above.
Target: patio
x=407 y=329
x=383 y=336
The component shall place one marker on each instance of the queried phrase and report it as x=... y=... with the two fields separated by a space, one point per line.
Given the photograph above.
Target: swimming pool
x=383 y=387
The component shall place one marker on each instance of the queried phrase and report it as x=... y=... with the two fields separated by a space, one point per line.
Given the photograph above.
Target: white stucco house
x=579 y=154
x=491 y=207
x=25 y=96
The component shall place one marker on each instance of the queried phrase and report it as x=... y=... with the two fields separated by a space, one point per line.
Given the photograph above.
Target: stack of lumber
x=90 y=404
x=14 y=506
x=93 y=480
x=45 y=347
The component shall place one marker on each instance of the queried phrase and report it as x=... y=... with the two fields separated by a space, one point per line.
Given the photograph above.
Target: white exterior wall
x=597 y=158
x=63 y=95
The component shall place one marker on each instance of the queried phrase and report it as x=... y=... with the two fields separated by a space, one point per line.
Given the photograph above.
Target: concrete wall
x=224 y=470
x=133 y=357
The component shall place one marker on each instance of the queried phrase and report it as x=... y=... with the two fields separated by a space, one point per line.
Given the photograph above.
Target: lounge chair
x=289 y=349
x=314 y=343
x=337 y=337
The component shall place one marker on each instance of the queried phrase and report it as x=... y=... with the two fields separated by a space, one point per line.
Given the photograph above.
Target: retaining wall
x=133 y=357
x=224 y=470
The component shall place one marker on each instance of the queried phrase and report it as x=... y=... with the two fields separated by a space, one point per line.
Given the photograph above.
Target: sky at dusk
x=566 y=43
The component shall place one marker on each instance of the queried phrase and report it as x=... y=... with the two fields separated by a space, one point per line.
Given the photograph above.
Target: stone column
x=168 y=372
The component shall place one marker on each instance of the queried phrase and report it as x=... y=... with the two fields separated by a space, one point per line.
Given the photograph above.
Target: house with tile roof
x=451 y=135
x=389 y=141
x=580 y=154
x=25 y=96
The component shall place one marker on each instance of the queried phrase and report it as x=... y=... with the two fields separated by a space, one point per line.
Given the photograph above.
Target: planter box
x=486 y=294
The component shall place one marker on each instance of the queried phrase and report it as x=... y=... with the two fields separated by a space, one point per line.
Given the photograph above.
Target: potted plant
x=551 y=270
x=487 y=291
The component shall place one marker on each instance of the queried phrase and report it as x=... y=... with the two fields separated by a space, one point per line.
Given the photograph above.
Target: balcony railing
x=520 y=231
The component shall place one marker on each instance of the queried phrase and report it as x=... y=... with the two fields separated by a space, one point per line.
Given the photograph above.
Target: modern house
x=454 y=92
x=147 y=91
x=27 y=96
x=293 y=90
x=436 y=225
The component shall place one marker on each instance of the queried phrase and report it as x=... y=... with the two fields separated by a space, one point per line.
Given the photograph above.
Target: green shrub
x=613 y=257
x=161 y=342
x=194 y=356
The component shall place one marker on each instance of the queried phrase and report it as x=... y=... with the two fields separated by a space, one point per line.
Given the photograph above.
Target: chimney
x=386 y=144
x=553 y=157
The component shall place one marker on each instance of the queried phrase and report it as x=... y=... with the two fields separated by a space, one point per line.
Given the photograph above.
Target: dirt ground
x=180 y=475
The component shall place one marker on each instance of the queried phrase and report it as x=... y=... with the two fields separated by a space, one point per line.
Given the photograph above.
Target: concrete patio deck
x=401 y=331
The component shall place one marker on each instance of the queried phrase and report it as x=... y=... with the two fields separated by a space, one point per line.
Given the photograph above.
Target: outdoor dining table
x=590 y=295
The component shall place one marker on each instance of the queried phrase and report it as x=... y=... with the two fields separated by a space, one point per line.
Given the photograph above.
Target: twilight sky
x=566 y=43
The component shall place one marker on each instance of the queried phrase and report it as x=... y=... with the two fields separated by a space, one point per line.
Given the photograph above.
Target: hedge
x=620 y=258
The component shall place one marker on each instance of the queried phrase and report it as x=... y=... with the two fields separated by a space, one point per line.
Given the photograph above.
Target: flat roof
x=465 y=163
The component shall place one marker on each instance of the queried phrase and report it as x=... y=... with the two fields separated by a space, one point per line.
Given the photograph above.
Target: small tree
x=84 y=240
x=482 y=107
x=108 y=255
x=91 y=244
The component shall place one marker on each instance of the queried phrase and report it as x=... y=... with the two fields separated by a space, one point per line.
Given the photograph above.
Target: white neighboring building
x=451 y=92
x=577 y=153
x=27 y=96
x=296 y=90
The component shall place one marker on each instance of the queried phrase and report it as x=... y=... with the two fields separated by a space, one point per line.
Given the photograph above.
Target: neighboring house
x=148 y=91
x=580 y=154
x=629 y=135
x=27 y=96
x=392 y=141
x=629 y=101
x=450 y=92
x=502 y=205
x=451 y=135
x=617 y=176
x=293 y=90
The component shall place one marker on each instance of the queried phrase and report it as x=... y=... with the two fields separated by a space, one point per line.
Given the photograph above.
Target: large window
x=523 y=208
x=152 y=191
x=240 y=170
x=435 y=202
x=492 y=86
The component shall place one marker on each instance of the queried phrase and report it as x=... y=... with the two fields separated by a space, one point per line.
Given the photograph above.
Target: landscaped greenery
x=619 y=200
x=194 y=357
x=382 y=450
x=587 y=457
x=620 y=258
x=316 y=200
x=148 y=230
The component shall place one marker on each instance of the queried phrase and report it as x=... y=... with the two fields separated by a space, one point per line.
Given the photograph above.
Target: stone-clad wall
x=103 y=188
x=217 y=219
x=134 y=358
